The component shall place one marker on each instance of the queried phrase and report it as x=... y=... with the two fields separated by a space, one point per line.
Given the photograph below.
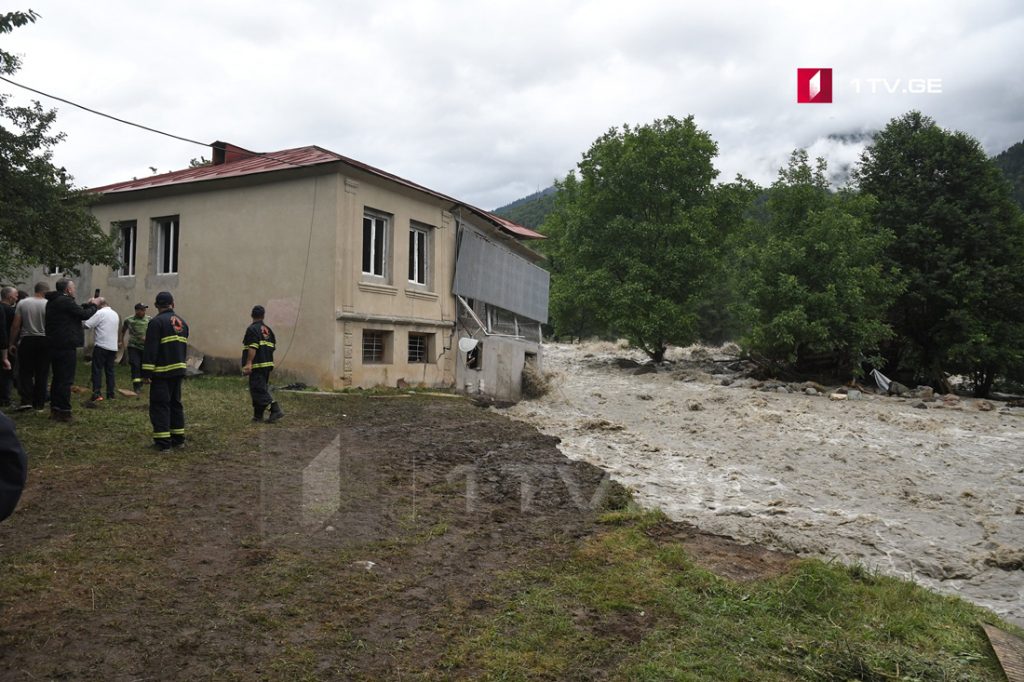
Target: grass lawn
x=122 y=563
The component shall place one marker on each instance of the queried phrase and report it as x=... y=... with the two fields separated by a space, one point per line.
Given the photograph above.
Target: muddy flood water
x=933 y=492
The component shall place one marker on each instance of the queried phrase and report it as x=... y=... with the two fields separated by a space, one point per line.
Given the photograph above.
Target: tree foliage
x=959 y=245
x=1011 y=162
x=812 y=273
x=634 y=235
x=43 y=218
x=530 y=211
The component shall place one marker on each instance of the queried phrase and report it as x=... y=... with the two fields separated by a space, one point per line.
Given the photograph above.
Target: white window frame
x=379 y=225
x=419 y=242
x=129 y=234
x=172 y=225
x=53 y=271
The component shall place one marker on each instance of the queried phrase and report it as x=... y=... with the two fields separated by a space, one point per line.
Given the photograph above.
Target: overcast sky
x=490 y=101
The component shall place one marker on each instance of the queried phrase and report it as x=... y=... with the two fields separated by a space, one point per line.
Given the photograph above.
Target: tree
x=959 y=245
x=813 y=275
x=634 y=236
x=43 y=218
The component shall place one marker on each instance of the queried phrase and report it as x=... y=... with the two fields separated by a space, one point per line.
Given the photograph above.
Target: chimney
x=224 y=152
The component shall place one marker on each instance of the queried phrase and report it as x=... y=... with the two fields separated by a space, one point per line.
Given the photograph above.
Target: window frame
x=376 y=249
x=427 y=348
x=384 y=346
x=128 y=247
x=419 y=255
x=167 y=241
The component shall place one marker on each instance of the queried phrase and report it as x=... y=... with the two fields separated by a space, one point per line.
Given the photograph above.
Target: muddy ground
x=931 y=491
x=352 y=543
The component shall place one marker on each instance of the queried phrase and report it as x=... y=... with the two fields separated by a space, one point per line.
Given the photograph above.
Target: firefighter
x=163 y=367
x=257 y=364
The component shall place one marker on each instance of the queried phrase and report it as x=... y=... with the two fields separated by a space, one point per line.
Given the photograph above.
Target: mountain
x=1011 y=162
x=530 y=211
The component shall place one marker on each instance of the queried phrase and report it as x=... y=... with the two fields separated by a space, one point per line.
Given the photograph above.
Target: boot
x=275 y=412
x=60 y=415
x=257 y=413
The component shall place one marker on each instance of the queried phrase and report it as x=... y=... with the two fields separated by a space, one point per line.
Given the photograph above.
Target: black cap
x=164 y=298
x=141 y=306
x=258 y=311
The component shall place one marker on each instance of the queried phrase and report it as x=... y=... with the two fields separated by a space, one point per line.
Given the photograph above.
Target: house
x=367 y=279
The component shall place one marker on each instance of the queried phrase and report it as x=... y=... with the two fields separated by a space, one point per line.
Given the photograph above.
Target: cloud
x=489 y=101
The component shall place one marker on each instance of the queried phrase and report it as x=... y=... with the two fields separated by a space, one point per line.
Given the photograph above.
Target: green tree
x=43 y=218
x=960 y=246
x=634 y=234
x=813 y=274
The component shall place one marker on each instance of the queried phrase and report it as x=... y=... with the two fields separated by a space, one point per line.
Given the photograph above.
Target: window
x=375 y=244
x=418 y=255
x=127 y=249
x=376 y=346
x=419 y=347
x=166 y=245
x=54 y=271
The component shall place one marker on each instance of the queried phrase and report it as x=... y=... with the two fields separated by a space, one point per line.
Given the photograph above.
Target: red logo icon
x=814 y=86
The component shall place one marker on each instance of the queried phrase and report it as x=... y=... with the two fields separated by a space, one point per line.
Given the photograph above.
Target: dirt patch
x=724 y=556
x=353 y=544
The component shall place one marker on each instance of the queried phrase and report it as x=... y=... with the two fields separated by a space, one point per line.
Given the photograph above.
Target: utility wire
x=138 y=125
x=100 y=113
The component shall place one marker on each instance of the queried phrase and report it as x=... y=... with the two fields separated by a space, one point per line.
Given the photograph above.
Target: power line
x=138 y=125
x=100 y=113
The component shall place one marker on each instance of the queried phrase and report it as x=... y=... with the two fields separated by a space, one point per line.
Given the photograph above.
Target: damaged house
x=367 y=279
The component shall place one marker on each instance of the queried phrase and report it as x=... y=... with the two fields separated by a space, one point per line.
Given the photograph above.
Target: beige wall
x=271 y=244
x=296 y=247
x=391 y=303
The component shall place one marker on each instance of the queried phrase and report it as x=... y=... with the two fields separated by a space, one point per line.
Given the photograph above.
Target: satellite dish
x=467 y=344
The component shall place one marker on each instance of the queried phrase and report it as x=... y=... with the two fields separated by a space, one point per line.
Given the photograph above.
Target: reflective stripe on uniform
x=161 y=434
x=167 y=368
x=148 y=367
x=170 y=339
x=177 y=432
x=260 y=365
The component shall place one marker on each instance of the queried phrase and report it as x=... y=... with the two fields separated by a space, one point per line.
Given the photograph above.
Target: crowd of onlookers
x=40 y=334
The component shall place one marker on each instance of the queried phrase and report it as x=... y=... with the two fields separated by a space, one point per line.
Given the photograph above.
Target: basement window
x=376 y=346
x=419 y=347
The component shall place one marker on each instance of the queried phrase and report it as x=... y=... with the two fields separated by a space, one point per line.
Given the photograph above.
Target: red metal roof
x=241 y=163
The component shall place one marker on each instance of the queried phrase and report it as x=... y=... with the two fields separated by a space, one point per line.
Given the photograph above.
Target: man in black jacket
x=64 y=336
x=163 y=366
x=8 y=299
x=13 y=467
x=257 y=363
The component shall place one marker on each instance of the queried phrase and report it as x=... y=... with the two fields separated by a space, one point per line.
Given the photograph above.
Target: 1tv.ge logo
x=814 y=86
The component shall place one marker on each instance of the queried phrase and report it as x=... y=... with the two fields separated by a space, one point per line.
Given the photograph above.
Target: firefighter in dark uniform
x=258 y=363
x=163 y=366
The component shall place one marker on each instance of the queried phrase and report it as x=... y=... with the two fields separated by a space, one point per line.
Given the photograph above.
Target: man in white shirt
x=104 y=324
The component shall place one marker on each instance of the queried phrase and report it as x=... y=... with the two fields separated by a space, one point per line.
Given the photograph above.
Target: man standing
x=64 y=336
x=28 y=340
x=258 y=363
x=104 y=325
x=163 y=365
x=8 y=299
x=134 y=328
